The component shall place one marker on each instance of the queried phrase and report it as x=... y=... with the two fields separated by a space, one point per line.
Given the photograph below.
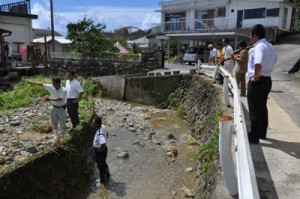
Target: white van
x=193 y=54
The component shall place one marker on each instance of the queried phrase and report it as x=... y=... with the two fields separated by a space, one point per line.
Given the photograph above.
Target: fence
x=244 y=184
x=115 y=57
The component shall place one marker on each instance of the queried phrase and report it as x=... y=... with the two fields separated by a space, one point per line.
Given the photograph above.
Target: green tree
x=88 y=39
x=297 y=3
x=135 y=48
x=173 y=47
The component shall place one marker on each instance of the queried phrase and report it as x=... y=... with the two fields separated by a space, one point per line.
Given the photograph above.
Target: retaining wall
x=62 y=172
x=97 y=68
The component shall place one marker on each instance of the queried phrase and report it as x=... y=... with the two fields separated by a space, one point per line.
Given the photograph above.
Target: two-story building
x=16 y=23
x=199 y=22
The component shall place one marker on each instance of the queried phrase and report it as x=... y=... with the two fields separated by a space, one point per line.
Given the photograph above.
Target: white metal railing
x=244 y=184
x=187 y=24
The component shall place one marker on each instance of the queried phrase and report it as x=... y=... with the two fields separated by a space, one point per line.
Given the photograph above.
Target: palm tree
x=135 y=48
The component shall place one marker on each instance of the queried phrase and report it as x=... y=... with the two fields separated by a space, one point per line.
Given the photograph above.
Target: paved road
x=277 y=159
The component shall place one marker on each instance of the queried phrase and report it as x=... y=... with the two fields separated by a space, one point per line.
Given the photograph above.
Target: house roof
x=4 y=31
x=43 y=32
x=59 y=39
x=121 y=48
x=143 y=42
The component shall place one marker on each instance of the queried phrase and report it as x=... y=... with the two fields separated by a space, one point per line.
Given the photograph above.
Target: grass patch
x=23 y=93
x=209 y=151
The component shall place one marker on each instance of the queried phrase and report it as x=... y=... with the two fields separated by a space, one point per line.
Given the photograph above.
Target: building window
x=273 y=12
x=221 y=12
x=175 y=21
x=255 y=13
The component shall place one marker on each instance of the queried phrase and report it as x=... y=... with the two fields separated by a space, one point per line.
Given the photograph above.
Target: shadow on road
x=290 y=148
x=264 y=179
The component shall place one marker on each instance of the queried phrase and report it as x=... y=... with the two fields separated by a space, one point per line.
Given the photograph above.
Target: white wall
x=289 y=16
x=251 y=4
x=231 y=11
x=21 y=29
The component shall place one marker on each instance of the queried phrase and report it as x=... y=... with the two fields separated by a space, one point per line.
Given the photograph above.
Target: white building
x=62 y=45
x=198 y=22
x=15 y=16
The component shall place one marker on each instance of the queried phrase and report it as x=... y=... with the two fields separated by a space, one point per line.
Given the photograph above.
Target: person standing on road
x=228 y=53
x=100 y=147
x=74 y=95
x=260 y=65
x=217 y=75
x=57 y=99
x=212 y=55
x=242 y=60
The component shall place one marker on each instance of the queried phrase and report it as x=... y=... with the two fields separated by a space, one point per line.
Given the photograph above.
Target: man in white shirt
x=74 y=95
x=228 y=53
x=212 y=55
x=57 y=99
x=260 y=66
x=100 y=147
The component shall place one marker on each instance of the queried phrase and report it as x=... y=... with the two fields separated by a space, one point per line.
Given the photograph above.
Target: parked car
x=193 y=54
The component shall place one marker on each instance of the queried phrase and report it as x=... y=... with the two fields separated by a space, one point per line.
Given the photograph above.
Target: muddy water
x=148 y=173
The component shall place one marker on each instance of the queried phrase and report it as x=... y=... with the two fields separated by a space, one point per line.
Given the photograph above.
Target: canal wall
x=203 y=106
x=61 y=172
x=142 y=89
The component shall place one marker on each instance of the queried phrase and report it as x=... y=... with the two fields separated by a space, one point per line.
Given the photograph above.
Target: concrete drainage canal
x=148 y=153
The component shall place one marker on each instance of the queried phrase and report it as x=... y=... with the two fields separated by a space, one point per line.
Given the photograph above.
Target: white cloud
x=112 y=17
x=43 y=20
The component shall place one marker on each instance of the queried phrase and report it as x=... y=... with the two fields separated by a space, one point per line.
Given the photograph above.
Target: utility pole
x=52 y=26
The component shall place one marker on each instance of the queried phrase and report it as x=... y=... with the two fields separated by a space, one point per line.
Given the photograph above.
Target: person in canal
x=100 y=147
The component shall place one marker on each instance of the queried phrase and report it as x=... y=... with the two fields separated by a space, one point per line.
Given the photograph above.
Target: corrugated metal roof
x=59 y=39
x=143 y=42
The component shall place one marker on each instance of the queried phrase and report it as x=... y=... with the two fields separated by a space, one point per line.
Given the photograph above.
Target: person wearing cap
x=57 y=99
x=212 y=55
x=242 y=60
x=74 y=95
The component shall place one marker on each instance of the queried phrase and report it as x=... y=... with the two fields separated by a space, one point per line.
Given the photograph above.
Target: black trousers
x=257 y=95
x=72 y=109
x=101 y=163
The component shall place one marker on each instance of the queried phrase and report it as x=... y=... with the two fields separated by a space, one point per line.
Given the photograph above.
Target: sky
x=112 y=13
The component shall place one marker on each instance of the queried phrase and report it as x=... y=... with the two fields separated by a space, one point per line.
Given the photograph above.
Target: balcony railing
x=194 y=25
x=15 y=6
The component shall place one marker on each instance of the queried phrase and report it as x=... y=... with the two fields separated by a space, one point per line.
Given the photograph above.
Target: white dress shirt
x=60 y=93
x=100 y=136
x=263 y=53
x=73 y=88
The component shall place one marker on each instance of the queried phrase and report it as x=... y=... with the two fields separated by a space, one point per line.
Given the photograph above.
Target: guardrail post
x=216 y=72
x=225 y=139
x=225 y=91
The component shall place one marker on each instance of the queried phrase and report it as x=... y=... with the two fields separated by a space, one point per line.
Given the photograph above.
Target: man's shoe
x=263 y=137
x=102 y=181
x=253 y=141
